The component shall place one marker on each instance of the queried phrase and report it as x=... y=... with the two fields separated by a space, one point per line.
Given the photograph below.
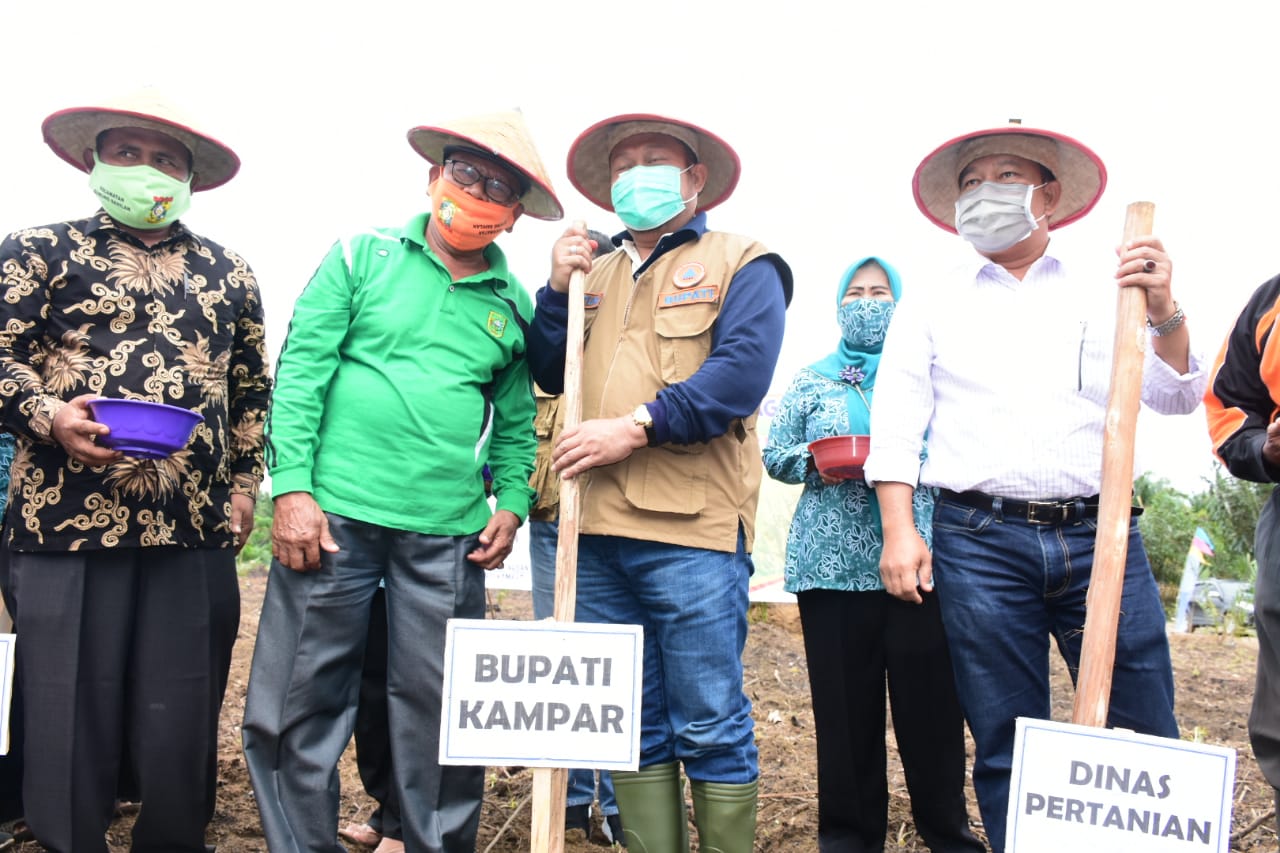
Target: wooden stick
x=1111 y=546
x=567 y=542
x=546 y=828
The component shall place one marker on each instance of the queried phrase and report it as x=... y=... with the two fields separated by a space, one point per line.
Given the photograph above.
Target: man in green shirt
x=402 y=375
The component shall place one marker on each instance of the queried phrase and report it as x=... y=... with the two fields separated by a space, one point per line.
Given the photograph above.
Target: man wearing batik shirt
x=123 y=569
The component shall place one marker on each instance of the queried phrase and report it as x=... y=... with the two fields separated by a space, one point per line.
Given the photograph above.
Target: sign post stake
x=546 y=829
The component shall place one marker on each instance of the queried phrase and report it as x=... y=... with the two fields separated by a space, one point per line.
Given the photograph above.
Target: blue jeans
x=543 y=538
x=692 y=604
x=1005 y=586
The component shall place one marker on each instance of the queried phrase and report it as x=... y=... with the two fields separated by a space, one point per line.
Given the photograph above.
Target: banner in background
x=1197 y=556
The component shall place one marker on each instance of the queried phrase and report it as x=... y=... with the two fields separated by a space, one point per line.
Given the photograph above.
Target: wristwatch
x=643 y=419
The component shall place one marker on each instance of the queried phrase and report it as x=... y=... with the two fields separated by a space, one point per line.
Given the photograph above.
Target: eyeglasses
x=496 y=190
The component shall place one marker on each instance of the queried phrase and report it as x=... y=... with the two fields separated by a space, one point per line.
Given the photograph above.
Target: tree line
x=1226 y=508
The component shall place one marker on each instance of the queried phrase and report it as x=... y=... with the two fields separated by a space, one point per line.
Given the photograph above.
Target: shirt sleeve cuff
x=41 y=423
x=661 y=429
x=287 y=480
x=246 y=484
x=550 y=298
x=887 y=469
x=1169 y=376
x=517 y=503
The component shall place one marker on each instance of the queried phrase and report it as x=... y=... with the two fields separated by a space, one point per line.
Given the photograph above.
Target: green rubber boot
x=651 y=803
x=725 y=816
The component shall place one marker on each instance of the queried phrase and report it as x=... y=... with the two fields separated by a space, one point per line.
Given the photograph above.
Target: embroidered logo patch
x=447 y=211
x=689 y=274
x=592 y=300
x=497 y=324
x=688 y=297
x=159 y=209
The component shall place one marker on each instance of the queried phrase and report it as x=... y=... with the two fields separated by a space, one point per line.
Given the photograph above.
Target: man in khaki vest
x=684 y=326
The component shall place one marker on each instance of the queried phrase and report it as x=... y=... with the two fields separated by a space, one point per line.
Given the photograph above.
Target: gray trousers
x=303 y=688
x=1264 y=720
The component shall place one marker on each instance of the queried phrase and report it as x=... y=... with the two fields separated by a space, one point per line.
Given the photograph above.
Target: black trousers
x=126 y=649
x=372 y=732
x=854 y=641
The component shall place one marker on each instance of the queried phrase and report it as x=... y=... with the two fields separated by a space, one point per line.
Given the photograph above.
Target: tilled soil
x=1214 y=682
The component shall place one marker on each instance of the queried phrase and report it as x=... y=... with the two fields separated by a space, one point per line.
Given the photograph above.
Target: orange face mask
x=465 y=222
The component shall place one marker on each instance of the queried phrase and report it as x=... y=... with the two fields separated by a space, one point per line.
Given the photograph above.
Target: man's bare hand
x=906 y=567
x=75 y=429
x=600 y=441
x=1271 y=448
x=299 y=532
x=241 y=519
x=496 y=540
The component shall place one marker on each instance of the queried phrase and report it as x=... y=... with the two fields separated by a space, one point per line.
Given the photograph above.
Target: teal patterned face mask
x=141 y=197
x=645 y=197
x=863 y=323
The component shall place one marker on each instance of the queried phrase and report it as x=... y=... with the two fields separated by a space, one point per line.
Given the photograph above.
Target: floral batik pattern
x=89 y=309
x=835 y=538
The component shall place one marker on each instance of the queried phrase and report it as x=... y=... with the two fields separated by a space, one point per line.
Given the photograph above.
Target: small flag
x=1202 y=543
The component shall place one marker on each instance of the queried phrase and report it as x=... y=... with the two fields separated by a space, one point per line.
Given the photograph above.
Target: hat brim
x=588 y=161
x=73 y=131
x=539 y=200
x=1078 y=170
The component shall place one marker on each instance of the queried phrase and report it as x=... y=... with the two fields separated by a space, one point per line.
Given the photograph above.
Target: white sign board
x=542 y=694
x=516 y=571
x=7 y=643
x=1079 y=788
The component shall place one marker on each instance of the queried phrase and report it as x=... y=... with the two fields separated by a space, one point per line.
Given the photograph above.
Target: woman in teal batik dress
x=856 y=635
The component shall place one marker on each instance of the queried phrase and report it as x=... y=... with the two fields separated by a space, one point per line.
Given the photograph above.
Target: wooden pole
x=1111 y=546
x=546 y=829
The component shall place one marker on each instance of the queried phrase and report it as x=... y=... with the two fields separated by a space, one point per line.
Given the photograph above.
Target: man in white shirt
x=1008 y=371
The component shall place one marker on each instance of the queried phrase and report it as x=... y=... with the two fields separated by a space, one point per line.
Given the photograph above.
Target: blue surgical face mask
x=646 y=197
x=864 y=322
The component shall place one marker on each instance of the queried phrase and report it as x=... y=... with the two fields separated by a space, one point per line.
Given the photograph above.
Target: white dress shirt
x=1010 y=379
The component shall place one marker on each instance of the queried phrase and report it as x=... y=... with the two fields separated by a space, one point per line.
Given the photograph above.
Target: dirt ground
x=1214 y=682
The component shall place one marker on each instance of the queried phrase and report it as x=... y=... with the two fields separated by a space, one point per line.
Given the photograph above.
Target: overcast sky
x=829 y=105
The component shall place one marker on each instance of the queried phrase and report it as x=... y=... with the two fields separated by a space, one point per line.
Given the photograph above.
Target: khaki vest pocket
x=678 y=489
x=684 y=339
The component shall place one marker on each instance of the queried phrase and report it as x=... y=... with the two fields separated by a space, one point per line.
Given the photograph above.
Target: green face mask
x=141 y=197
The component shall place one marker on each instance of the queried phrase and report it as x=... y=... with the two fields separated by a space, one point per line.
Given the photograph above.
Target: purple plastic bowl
x=146 y=430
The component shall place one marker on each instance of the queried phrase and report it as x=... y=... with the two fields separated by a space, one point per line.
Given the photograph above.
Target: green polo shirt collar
x=415 y=232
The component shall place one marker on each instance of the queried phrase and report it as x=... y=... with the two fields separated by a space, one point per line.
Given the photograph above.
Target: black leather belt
x=1032 y=512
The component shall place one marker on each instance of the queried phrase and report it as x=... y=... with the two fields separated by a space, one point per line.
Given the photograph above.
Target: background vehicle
x=1219 y=602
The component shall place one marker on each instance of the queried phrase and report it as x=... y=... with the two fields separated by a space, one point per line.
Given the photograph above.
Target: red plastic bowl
x=142 y=429
x=841 y=455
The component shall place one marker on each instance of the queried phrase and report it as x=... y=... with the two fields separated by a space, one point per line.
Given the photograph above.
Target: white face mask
x=993 y=217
